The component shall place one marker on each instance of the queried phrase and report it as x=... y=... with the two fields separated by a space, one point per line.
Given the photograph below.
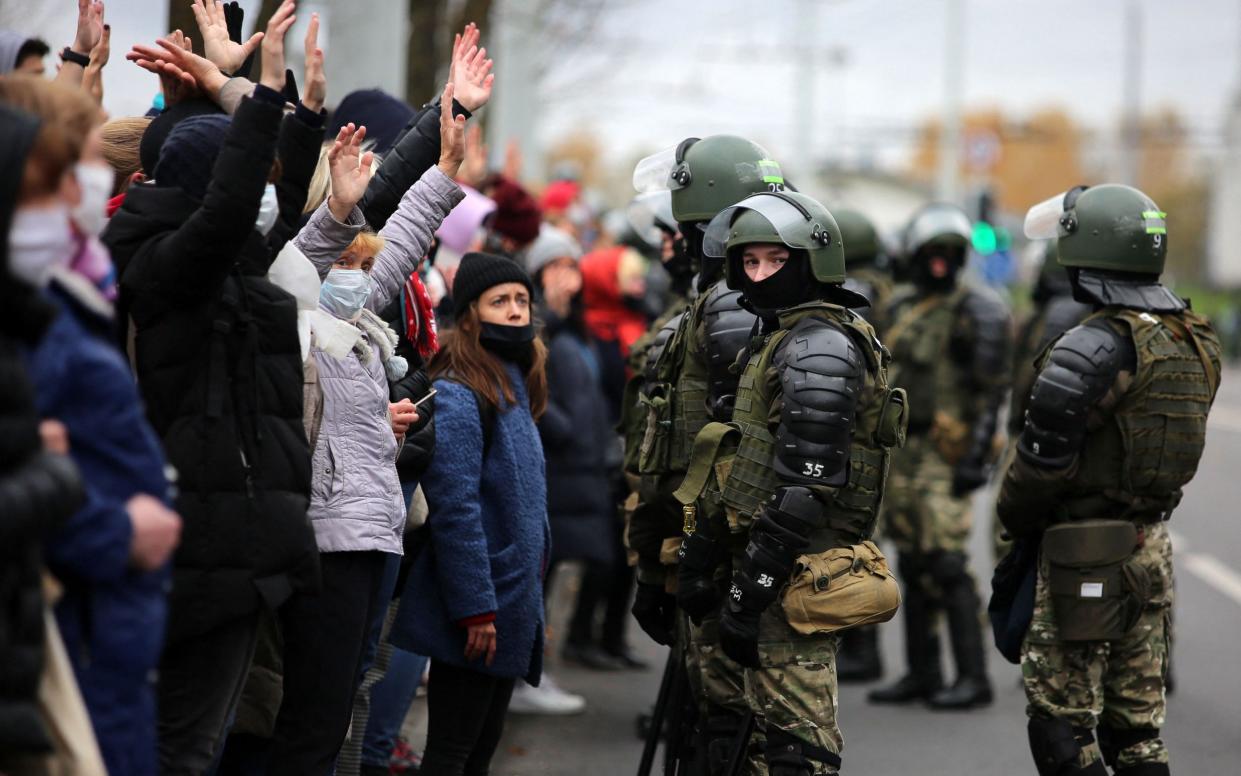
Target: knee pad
x=948 y=568
x=1056 y=746
x=1112 y=740
x=720 y=732
x=788 y=755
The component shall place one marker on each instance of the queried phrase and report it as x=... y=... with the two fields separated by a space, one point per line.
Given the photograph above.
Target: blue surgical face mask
x=269 y=209
x=344 y=293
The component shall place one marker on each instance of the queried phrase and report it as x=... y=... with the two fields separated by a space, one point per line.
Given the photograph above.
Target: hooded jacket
x=38 y=490
x=219 y=365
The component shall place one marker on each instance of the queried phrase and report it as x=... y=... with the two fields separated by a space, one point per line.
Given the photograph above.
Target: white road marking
x=1214 y=572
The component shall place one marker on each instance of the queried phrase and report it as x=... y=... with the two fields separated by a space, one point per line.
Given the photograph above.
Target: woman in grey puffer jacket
x=356 y=507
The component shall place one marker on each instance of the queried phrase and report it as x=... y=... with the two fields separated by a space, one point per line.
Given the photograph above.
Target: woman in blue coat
x=474 y=598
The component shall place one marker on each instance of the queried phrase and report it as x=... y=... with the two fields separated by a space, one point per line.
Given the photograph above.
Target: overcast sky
x=658 y=70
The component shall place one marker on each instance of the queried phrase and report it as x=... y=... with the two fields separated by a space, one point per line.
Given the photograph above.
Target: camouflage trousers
x=795 y=688
x=920 y=514
x=719 y=683
x=1115 y=684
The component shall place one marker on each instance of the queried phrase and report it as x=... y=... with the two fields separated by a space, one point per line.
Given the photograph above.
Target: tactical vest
x=922 y=363
x=752 y=480
x=642 y=359
x=1135 y=466
x=676 y=397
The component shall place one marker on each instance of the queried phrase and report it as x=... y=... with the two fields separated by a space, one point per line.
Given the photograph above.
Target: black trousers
x=200 y=681
x=612 y=586
x=465 y=719
x=324 y=637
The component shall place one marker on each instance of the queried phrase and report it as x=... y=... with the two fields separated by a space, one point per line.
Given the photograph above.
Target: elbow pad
x=822 y=373
x=1077 y=374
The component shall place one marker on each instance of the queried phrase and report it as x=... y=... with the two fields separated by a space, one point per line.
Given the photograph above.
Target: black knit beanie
x=188 y=156
x=479 y=272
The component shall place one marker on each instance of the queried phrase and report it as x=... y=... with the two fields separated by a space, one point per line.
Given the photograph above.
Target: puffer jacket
x=220 y=369
x=356 y=501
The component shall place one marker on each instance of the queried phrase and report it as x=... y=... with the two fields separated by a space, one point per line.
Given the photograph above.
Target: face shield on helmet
x=652 y=210
x=1052 y=218
x=938 y=224
x=792 y=225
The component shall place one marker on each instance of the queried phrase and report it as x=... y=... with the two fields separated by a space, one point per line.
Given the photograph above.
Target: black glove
x=655 y=610
x=739 y=634
x=968 y=476
x=697 y=593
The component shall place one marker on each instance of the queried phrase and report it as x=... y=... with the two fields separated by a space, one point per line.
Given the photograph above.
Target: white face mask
x=95 y=181
x=40 y=239
x=269 y=209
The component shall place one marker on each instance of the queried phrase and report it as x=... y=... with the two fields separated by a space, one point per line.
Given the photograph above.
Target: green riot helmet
x=782 y=218
x=1107 y=227
x=708 y=175
x=1052 y=279
x=860 y=238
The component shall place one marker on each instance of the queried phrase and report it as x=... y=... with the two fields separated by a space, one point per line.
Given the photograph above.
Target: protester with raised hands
x=218 y=359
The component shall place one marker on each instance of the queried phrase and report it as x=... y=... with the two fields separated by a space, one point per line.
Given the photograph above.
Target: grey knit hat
x=551 y=244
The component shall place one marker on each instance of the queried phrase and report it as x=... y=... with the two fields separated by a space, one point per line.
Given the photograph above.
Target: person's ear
x=70 y=191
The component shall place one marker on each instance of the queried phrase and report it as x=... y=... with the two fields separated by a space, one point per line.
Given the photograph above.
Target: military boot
x=921 y=650
x=858 y=659
x=972 y=687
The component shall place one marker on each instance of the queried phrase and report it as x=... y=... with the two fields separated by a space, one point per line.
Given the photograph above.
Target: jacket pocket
x=328 y=480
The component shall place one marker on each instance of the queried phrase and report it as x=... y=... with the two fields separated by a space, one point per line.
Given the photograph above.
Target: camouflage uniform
x=1150 y=382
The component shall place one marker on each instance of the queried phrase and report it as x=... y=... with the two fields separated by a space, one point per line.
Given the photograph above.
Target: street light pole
x=1131 y=127
x=948 y=183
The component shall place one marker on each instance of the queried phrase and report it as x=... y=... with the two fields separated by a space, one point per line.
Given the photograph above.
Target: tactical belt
x=826 y=538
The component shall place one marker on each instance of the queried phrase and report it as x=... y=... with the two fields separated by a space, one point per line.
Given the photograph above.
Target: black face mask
x=791 y=286
x=511 y=343
x=923 y=277
x=679 y=267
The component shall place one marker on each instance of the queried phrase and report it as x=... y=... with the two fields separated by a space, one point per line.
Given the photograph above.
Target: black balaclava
x=792 y=285
x=679 y=267
x=927 y=256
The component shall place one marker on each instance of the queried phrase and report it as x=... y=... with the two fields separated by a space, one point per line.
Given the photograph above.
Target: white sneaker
x=546 y=699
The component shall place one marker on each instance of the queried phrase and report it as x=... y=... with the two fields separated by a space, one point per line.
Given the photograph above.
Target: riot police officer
x=951 y=346
x=687 y=386
x=799 y=471
x=869 y=272
x=1114 y=429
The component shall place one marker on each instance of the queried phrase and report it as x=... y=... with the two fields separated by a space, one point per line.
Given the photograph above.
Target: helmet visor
x=654 y=173
x=1043 y=220
x=794 y=224
x=652 y=210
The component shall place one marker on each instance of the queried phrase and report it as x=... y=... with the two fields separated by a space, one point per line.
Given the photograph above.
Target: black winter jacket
x=220 y=368
x=415 y=455
x=577 y=434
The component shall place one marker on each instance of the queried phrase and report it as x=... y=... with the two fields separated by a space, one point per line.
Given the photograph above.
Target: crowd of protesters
x=278 y=387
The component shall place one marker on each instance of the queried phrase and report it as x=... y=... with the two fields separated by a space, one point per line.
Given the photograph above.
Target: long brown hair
x=463 y=358
x=67 y=116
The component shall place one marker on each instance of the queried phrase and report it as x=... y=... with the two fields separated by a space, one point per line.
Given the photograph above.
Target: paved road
x=1204 y=718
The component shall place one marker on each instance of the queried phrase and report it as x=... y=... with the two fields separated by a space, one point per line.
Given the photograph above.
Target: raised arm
x=418 y=147
x=407 y=236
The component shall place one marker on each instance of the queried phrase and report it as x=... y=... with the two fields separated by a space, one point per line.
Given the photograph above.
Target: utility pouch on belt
x=656 y=447
x=841 y=588
x=893 y=419
x=1097 y=587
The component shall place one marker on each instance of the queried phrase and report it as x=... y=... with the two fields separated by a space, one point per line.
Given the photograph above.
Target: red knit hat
x=517 y=215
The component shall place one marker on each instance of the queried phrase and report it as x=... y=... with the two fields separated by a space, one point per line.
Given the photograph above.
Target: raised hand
x=315 y=82
x=92 y=78
x=452 y=135
x=227 y=54
x=273 y=46
x=181 y=70
x=470 y=70
x=90 y=26
x=350 y=170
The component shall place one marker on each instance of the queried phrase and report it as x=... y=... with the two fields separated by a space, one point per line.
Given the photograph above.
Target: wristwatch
x=69 y=55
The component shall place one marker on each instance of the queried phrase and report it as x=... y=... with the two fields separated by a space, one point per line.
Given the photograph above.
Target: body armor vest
x=850 y=516
x=1136 y=464
x=675 y=397
x=922 y=363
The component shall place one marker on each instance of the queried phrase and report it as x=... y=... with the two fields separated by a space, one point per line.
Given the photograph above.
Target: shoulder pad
x=984 y=306
x=822 y=372
x=1078 y=371
x=728 y=326
x=659 y=344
